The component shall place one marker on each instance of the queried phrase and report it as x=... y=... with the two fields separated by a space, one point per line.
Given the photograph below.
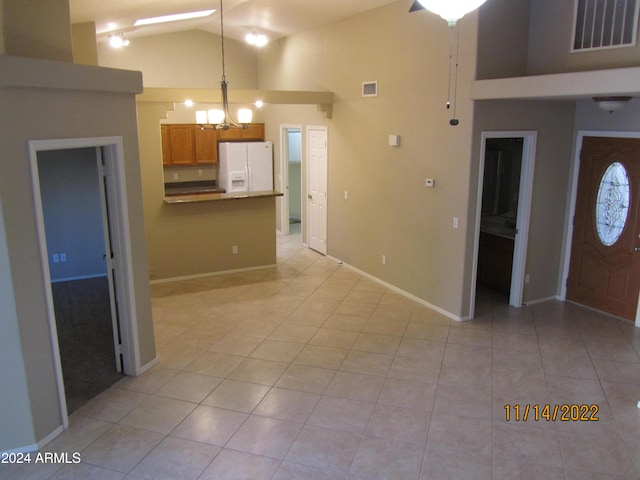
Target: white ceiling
x=275 y=18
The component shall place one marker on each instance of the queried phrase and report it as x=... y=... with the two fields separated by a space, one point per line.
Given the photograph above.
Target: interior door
x=604 y=270
x=109 y=260
x=317 y=191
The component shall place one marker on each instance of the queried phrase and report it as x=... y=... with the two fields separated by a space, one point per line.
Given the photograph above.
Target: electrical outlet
x=527 y=278
x=176 y=176
x=346 y=195
x=384 y=259
x=455 y=222
x=234 y=249
x=63 y=257
x=56 y=258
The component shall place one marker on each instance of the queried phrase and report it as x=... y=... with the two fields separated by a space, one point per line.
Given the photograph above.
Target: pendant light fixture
x=221 y=119
x=451 y=11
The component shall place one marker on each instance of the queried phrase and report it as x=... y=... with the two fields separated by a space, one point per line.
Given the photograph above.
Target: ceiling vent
x=370 y=89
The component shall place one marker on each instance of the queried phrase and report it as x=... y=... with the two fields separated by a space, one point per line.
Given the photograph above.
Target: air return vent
x=605 y=24
x=370 y=89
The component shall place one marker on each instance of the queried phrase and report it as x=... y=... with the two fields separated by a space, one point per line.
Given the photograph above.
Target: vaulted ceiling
x=275 y=18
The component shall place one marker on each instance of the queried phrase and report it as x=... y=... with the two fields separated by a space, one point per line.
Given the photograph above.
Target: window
x=612 y=204
x=603 y=24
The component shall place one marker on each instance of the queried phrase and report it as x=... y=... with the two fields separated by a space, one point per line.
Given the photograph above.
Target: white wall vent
x=370 y=89
x=601 y=24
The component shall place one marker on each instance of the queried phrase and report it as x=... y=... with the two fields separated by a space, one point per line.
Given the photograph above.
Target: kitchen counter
x=218 y=196
x=186 y=188
x=500 y=226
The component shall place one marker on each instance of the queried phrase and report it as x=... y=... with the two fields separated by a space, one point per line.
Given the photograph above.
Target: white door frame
x=113 y=152
x=309 y=172
x=523 y=215
x=284 y=176
x=573 y=194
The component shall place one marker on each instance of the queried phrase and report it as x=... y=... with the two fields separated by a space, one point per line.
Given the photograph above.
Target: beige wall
x=16 y=422
x=39 y=35
x=503 y=39
x=35 y=113
x=389 y=211
x=85 y=48
x=190 y=59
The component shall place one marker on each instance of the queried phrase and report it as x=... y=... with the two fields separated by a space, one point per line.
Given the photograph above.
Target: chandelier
x=222 y=119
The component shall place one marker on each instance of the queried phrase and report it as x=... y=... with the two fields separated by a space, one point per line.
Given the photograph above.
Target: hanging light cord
x=450 y=58
x=454 y=121
x=228 y=120
x=224 y=78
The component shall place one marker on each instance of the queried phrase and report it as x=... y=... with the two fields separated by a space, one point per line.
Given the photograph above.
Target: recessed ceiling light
x=173 y=18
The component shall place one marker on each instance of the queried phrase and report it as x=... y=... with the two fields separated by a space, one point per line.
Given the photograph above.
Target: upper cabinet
x=188 y=144
x=254 y=131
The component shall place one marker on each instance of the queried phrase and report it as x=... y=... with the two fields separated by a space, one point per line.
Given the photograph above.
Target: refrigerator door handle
x=248 y=172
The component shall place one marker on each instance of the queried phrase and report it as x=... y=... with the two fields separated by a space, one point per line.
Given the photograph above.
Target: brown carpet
x=85 y=336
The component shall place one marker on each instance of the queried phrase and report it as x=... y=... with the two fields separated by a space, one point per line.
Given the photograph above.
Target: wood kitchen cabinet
x=188 y=144
x=495 y=261
x=206 y=146
x=178 y=145
x=254 y=131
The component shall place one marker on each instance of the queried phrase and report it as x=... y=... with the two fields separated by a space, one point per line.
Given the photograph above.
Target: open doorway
x=291 y=168
x=116 y=252
x=76 y=224
x=502 y=218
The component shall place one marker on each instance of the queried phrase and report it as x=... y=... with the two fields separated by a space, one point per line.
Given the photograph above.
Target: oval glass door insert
x=612 y=203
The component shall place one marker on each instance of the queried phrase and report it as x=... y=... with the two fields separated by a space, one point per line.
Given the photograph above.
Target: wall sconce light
x=611 y=104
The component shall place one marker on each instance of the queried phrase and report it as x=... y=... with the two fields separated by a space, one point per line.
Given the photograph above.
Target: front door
x=604 y=270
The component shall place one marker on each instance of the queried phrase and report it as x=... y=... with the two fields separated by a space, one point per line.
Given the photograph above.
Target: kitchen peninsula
x=218 y=196
x=199 y=234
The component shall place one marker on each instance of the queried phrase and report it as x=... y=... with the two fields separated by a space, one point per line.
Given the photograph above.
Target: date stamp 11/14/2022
x=567 y=412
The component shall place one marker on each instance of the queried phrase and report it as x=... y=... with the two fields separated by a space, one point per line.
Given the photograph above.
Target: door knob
x=637 y=249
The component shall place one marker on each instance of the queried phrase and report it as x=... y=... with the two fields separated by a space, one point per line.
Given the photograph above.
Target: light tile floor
x=310 y=371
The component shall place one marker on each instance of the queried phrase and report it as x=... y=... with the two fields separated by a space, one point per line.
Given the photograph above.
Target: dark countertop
x=214 y=197
x=185 y=188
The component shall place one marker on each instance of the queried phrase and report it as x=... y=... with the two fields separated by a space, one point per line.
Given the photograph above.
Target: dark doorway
x=75 y=218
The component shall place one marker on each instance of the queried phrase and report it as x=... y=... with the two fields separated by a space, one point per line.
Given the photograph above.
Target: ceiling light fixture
x=221 y=119
x=611 y=104
x=118 y=40
x=257 y=39
x=172 y=18
x=450 y=10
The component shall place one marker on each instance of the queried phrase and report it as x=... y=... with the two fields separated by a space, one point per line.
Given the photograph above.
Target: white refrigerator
x=245 y=166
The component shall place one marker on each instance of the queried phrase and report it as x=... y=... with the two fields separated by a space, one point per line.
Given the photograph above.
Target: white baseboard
x=402 y=292
x=81 y=277
x=541 y=300
x=36 y=446
x=149 y=365
x=210 y=274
